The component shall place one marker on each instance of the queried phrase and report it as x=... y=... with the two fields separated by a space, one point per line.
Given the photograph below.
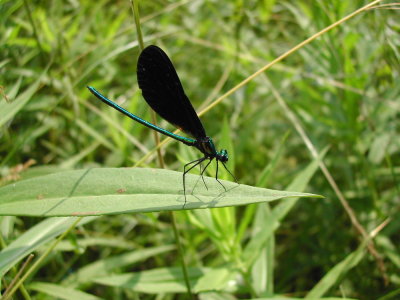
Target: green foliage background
x=343 y=88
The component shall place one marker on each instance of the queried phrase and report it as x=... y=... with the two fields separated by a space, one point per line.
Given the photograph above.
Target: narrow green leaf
x=60 y=292
x=9 y=110
x=102 y=191
x=271 y=223
x=170 y=280
x=103 y=267
x=291 y=298
x=34 y=238
x=337 y=272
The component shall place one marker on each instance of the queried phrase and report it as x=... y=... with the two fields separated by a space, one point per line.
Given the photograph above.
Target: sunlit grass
x=343 y=90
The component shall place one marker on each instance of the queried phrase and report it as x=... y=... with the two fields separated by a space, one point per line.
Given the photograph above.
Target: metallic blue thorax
x=207 y=147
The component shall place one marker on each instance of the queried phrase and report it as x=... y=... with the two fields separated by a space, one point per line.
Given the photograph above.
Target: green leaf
x=170 y=280
x=60 y=292
x=32 y=239
x=272 y=222
x=102 y=191
x=9 y=110
x=338 y=271
x=291 y=298
x=104 y=267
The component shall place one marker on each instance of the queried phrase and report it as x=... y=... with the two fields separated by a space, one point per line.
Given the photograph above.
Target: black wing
x=163 y=91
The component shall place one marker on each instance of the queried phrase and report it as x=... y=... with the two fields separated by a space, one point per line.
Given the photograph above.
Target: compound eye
x=224 y=155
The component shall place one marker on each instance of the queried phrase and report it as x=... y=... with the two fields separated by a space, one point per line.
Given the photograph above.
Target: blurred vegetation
x=343 y=88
